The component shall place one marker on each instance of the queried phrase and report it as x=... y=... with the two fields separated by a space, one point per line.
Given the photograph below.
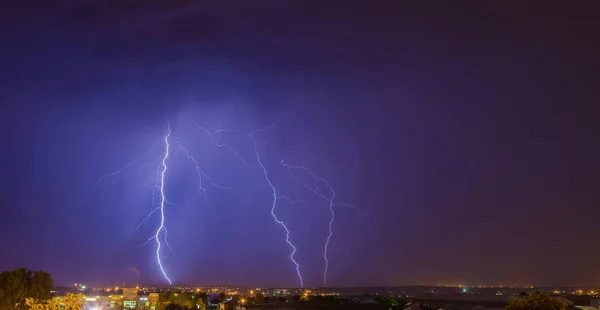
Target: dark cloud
x=465 y=130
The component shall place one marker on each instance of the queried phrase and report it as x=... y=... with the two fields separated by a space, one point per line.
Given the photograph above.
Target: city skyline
x=454 y=143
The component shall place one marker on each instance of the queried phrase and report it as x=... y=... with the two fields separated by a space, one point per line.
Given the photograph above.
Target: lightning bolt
x=321 y=188
x=163 y=200
x=161 y=227
x=316 y=189
x=158 y=190
x=200 y=173
x=161 y=235
x=125 y=170
x=275 y=198
x=211 y=137
x=250 y=136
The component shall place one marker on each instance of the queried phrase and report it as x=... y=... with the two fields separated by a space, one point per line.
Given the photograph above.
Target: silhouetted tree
x=41 y=285
x=536 y=301
x=182 y=301
x=174 y=307
x=200 y=303
x=19 y=284
x=222 y=296
x=203 y=296
x=259 y=298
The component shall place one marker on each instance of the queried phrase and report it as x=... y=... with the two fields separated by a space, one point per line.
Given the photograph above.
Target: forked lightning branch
x=321 y=188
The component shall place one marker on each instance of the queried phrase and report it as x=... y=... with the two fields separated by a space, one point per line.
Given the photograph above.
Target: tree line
x=19 y=284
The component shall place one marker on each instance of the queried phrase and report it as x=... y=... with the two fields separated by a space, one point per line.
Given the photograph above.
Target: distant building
x=130 y=297
x=115 y=300
x=228 y=305
x=143 y=302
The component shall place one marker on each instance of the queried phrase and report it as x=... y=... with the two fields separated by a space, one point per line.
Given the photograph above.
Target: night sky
x=467 y=131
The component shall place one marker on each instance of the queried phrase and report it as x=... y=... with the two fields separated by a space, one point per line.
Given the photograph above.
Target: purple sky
x=467 y=133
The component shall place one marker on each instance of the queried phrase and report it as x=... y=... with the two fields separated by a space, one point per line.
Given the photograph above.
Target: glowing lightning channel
x=211 y=137
x=162 y=227
x=200 y=173
x=330 y=199
x=161 y=235
x=250 y=136
x=125 y=170
x=275 y=198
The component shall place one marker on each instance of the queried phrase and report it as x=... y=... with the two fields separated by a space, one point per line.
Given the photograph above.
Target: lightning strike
x=211 y=137
x=161 y=227
x=159 y=198
x=250 y=136
x=201 y=174
x=316 y=189
x=293 y=201
x=321 y=188
x=275 y=198
x=125 y=170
